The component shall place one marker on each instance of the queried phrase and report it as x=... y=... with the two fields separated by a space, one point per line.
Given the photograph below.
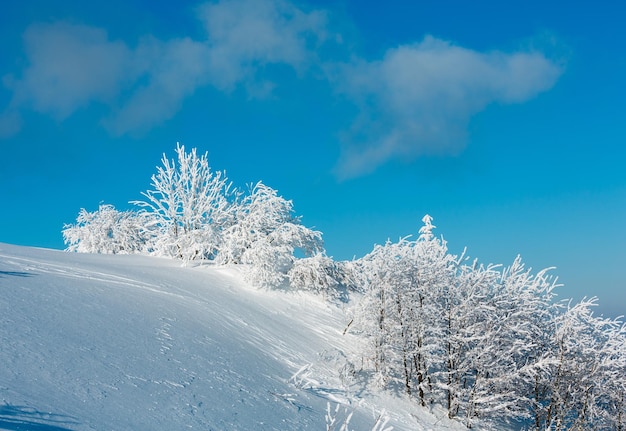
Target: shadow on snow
x=19 y=418
x=15 y=274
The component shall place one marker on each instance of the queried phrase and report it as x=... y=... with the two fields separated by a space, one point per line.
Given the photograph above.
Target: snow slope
x=111 y=342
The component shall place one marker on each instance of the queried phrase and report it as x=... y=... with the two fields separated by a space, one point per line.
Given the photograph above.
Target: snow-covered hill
x=110 y=342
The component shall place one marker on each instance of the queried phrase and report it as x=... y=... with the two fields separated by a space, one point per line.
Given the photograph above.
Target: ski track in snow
x=101 y=342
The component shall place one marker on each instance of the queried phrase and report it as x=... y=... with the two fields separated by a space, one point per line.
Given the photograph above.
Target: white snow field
x=119 y=342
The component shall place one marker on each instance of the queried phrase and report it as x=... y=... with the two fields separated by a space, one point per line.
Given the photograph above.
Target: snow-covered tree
x=266 y=236
x=463 y=317
x=399 y=312
x=502 y=321
x=110 y=231
x=613 y=377
x=583 y=385
x=192 y=205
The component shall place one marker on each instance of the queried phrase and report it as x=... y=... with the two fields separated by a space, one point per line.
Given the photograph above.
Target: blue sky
x=505 y=122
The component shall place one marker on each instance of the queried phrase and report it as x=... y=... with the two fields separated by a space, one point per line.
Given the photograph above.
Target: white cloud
x=245 y=35
x=71 y=66
x=242 y=37
x=419 y=98
x=174 y=70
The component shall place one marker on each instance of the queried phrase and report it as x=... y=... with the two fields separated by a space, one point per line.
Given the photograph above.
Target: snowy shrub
x=271 y=256
x=337 y=420
x=267 y=263
x=319 y=274
x=266 y=236
x=110 y=231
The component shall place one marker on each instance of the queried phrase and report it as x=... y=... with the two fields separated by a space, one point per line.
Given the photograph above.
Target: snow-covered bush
x=318 y=273
x=110 y=231
x=338 y=420
x=266 y=236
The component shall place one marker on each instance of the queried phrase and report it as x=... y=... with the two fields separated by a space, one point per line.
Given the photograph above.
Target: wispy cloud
x=71 y=66
x=245 y=35
x=173 y=70
x=418 y=99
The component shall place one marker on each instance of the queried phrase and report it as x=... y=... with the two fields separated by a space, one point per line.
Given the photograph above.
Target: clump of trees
x=486 y=342
x=194 y=213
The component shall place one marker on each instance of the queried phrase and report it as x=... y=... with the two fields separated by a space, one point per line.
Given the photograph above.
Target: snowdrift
x=112 y=342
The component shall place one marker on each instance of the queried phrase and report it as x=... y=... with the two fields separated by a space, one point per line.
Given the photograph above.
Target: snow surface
x=112 y=342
